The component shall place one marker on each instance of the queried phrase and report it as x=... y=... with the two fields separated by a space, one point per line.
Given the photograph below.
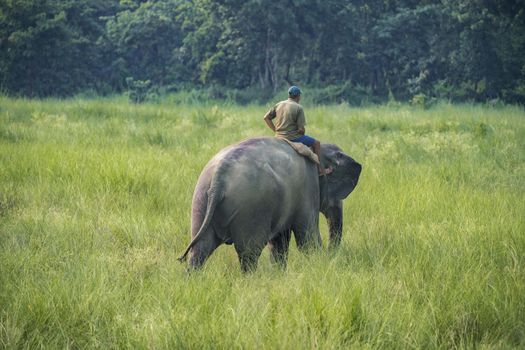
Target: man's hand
x=301 y=131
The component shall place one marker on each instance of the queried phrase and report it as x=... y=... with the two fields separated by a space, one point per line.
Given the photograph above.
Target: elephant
x=257 y=192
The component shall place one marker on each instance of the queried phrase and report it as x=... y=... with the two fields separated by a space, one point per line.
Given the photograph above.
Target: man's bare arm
x=269 y=122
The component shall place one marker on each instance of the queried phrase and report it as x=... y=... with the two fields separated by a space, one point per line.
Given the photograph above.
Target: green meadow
x=95 y=200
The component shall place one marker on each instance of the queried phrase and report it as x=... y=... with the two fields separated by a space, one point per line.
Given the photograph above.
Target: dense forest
x=344 y=50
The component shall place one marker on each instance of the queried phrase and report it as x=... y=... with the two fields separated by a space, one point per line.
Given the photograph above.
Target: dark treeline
x=347 y=50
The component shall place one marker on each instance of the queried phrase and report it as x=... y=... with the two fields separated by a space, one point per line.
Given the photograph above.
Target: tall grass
x=95 y=199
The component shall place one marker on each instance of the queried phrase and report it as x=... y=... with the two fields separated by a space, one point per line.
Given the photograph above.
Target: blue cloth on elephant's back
x=306 y=140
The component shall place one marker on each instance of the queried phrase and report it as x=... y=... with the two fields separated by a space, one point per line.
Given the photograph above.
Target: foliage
x=419 y=100
x=140 y=90
x=458 y=50
x=143 y=42
x=95 y=200
x=345 y=93
x=49 y=47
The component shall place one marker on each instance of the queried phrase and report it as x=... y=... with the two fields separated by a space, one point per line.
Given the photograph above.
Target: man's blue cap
x=294 y=91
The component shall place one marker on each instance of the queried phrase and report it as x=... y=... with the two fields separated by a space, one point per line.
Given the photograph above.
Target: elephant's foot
x=279 y=248
x=280 y=260
x=248 y=263
x=196 y=261
x=202 y=250
x=248 y=259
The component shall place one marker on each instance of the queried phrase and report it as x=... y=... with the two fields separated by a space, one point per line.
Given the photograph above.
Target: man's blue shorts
x=305 y=139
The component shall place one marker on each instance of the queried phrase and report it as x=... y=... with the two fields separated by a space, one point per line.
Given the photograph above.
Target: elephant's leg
x=306 y=227
x=203 y=249
x=248 y=256
x=307 y=237
x=279 y=247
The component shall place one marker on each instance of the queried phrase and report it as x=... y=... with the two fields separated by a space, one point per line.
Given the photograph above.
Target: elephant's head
x=336 y=186
x=343 y=179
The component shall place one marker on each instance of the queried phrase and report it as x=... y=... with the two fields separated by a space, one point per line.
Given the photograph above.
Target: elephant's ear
x=343 y=180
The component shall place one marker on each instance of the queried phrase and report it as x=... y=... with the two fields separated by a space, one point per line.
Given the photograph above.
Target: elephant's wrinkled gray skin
x=258 y=192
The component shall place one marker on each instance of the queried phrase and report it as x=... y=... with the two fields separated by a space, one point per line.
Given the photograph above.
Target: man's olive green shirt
x=288 y=118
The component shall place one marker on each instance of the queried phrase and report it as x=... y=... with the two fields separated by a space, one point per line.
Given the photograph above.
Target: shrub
x=141 y=90
x=353 y=95
x=419 y=100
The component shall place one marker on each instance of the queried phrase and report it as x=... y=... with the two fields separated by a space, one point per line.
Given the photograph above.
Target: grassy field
x=95 y=200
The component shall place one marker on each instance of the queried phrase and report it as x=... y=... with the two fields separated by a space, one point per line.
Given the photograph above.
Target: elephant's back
x=257 y=162
x=256 y=151
x=241 y=159
x=252 y=153
x=259 y=158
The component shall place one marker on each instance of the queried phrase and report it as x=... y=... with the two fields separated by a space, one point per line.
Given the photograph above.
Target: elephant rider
x=290 y=121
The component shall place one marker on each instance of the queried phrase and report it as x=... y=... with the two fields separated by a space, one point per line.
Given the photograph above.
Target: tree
x=457 y=49
x=48 y=47
x=142 y=42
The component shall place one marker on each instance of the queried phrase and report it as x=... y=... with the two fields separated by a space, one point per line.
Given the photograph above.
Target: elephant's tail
x=213 y=198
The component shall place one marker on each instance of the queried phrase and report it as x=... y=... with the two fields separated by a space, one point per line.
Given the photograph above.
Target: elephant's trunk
x=334 y=217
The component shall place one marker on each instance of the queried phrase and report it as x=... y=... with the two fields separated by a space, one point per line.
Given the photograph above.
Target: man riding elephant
x=290 y=123
x=260 y=191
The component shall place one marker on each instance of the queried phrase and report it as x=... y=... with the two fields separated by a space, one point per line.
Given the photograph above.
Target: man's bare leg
x=317 y=151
